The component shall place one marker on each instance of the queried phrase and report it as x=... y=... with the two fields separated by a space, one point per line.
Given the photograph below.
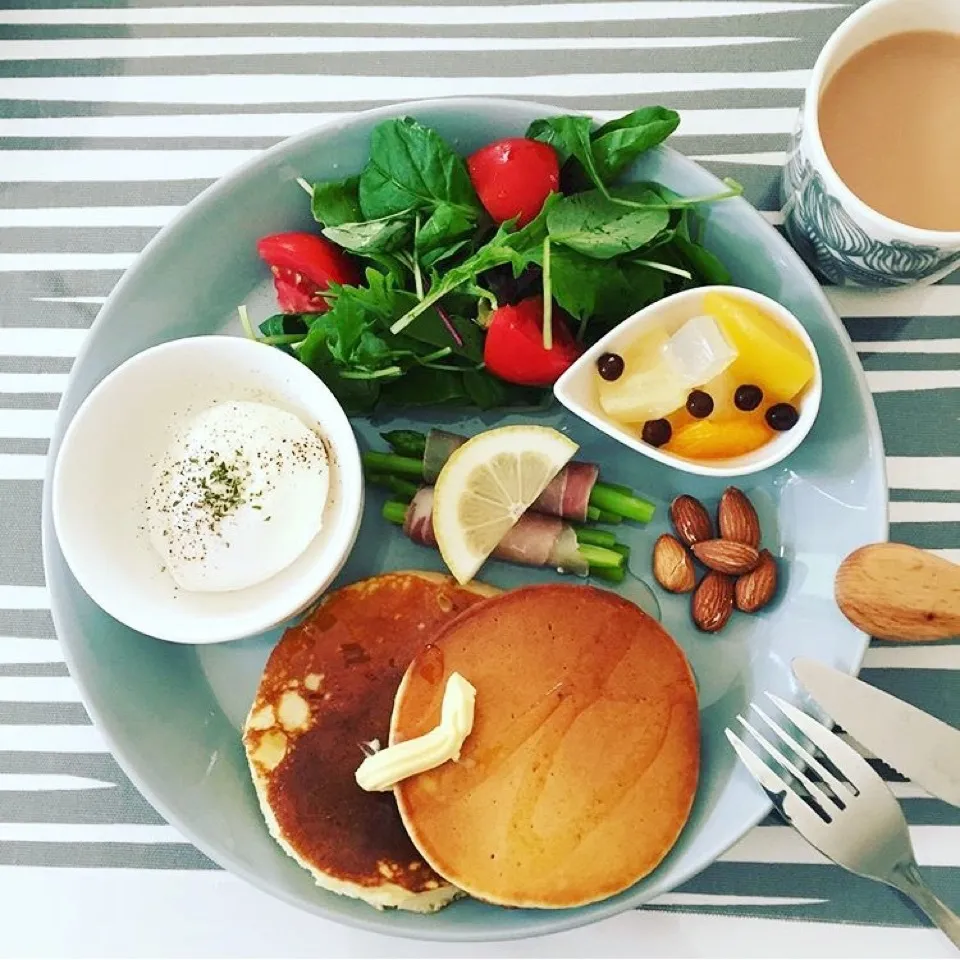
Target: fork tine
x=839 y=788
x=817 y=794
x=790 y=805
x=840 y=754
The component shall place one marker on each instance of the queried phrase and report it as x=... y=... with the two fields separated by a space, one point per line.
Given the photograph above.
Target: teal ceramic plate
x=172 y=714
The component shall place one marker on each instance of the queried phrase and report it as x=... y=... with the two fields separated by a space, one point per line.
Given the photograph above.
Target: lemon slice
x=487 y=485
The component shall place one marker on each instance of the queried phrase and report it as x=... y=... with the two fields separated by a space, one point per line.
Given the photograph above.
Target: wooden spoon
x=896 y=592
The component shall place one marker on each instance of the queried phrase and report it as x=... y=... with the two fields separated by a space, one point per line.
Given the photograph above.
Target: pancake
x=327 y=689
x=582 y=764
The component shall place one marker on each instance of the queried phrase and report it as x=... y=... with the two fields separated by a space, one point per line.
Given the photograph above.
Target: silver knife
x=924 y=749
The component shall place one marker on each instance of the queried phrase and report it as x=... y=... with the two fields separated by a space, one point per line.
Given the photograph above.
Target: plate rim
x=547 y=922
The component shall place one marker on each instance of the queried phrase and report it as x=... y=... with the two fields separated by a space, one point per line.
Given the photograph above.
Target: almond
x=712 y=602
x=737 y=518
x=690 y=520
x=726 y=556
x=672 y=565
x=755 y=589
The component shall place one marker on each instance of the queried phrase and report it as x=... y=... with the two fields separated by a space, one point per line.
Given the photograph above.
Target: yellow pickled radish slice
x=487 y=485
x=648 y=388
x=768 y=354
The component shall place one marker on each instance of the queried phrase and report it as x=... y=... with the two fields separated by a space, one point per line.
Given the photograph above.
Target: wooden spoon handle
x=896 y=592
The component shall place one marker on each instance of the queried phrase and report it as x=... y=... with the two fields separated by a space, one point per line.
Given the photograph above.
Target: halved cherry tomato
x=303 y=266
x=514 y=349
x=513 y=177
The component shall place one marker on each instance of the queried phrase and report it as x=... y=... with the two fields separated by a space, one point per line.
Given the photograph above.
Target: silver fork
x=848 y=813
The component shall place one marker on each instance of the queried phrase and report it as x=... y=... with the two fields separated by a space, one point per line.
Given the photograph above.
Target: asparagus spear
x=402 y=489
x=610 y=574
x=605 y=497
x=599 y=557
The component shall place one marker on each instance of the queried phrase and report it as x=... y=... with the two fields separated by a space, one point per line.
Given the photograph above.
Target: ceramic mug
x=836 y=233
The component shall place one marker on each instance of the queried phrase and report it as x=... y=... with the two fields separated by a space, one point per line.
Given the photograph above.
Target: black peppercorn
x=699 y=404
x=610 y=366
x=657 y=432
x=748 y=397
x=782 y=416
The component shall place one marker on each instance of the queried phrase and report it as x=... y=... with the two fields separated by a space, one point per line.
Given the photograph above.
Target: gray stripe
x=932 y=416
x=848 y=898
x=901 y=328
x=96 y=805
x=436 y=63
x=925 y=689
x=33 y=669
x=16 y=445
x=29 y=401
x=691 y=145
x=43 y=714
x=20 y=560
x=127 y=856
x=54 y=315
x=930 y=536
x=925 y=496
x=66 y=194
x=813 y=26
x=21 y=288
x=80 y=239
x=911 y=361
x=33 y=364
x=95 y=766
x=26 y=623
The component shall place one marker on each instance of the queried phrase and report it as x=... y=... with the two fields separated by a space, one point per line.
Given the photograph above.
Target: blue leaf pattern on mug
x=834 y=245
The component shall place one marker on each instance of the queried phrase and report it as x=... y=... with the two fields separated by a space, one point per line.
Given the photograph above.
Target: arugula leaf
x=344 y=332
x=602 y=291
x=384 y=303
x=336 y=201
x=488 y=392
x=423 y=387
x=516 y=247
x=412 y=168
x=618 y=143
x=600 y=156
x=357 y=396
x=570 y=137
x=431 y=259
x=703 y=264
x=371 y=236
x=285 y=324
x=446 y=226
x=597 y=227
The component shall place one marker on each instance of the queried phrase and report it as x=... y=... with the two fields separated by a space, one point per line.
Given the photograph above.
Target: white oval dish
x=577 y=390
x=101 y=483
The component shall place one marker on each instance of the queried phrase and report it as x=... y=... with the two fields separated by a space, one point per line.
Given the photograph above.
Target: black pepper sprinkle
x=196 y=493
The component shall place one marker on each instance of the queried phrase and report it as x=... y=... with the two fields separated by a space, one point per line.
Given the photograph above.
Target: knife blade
x=921 y=747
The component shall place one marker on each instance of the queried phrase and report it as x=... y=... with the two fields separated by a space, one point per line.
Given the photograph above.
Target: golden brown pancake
x=582 y=765
x=328 y=688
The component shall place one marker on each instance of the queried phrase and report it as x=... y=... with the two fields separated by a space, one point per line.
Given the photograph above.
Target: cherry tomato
x=514 y=351
x=303 y=266
x=513 y=177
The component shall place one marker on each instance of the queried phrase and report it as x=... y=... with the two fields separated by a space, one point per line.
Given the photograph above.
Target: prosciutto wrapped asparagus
x=535 y=540
x=573 y=494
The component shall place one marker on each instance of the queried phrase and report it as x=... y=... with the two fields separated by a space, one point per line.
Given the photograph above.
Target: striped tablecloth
x=115 y=113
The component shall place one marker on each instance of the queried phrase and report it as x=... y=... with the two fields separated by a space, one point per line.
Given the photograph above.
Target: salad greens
x=435 y=265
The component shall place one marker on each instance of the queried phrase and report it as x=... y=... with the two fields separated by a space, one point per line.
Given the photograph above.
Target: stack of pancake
x=575 y=782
